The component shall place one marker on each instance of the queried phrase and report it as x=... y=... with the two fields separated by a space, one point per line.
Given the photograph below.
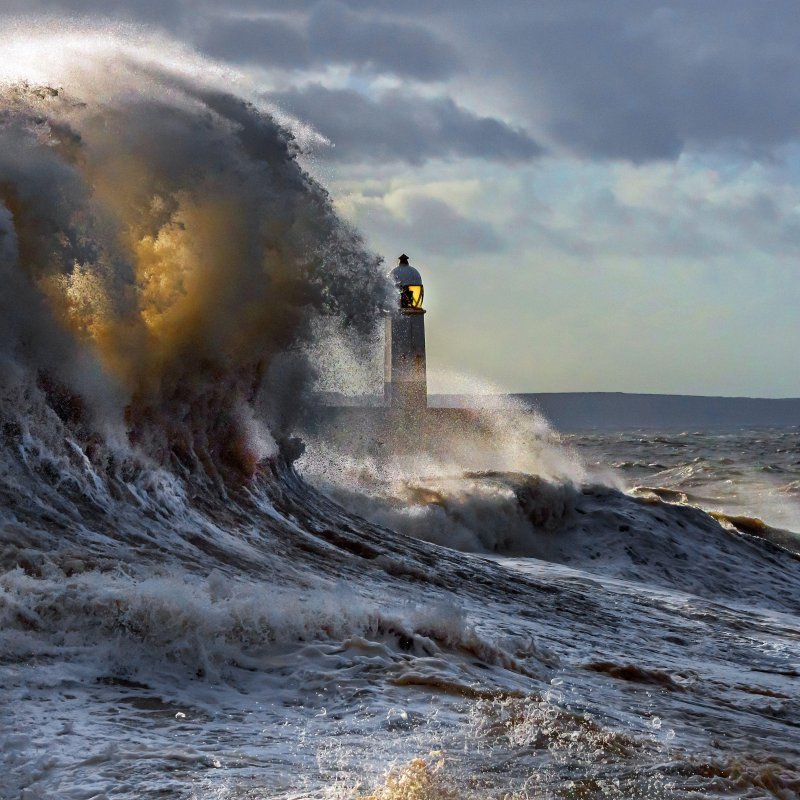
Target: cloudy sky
x=600 y=194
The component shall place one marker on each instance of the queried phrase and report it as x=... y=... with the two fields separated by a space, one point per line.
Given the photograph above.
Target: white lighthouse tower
x=405 y=385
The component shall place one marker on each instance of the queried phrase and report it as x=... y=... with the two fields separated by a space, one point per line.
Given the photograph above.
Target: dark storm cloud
x=646 y=80
x=268 y=42
x=401 y=127
x=340 y=35
x=623 y=79
x=631 y=79
x=330 y=33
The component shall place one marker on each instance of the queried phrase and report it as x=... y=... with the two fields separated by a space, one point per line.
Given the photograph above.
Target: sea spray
x=170 y=243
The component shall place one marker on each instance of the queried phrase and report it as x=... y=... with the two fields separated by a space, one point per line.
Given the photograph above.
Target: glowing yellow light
x=411 y=296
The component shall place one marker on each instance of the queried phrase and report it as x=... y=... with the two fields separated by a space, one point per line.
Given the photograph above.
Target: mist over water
x=196 y=604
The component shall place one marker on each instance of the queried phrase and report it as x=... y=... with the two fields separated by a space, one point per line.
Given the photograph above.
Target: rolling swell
x=594 y=528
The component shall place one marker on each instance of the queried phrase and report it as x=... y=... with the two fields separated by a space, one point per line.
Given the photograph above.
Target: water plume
x=167 y=227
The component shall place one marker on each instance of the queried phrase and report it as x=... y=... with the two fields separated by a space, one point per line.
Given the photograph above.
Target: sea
x=208 y=594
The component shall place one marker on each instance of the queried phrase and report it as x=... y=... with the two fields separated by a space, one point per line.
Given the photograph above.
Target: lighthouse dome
x=405 y=275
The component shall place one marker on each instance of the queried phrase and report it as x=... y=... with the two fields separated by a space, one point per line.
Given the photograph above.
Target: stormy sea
x=210 y=587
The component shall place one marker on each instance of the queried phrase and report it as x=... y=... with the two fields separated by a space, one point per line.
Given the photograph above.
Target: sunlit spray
x=167 y=227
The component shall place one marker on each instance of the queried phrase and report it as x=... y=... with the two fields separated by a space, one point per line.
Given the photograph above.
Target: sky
x=600 y=196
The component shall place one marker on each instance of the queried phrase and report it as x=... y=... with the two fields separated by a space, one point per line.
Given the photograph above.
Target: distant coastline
x=620 y=410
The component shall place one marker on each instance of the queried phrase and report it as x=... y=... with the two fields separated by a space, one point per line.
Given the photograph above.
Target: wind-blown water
x=192 y=607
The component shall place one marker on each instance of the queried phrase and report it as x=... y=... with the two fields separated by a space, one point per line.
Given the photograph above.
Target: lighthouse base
x=405 y=395
x=405 y=385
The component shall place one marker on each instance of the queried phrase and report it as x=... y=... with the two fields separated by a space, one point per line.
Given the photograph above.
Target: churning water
x=192 y=607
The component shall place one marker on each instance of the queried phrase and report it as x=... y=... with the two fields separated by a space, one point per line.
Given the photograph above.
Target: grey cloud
x=644 y=80
x=437 y=228
x=624 y=79
x=266 y=41
x=633 y=79
x=330 y=33
x=400 y=127
x=403 y=48
x=684 y=227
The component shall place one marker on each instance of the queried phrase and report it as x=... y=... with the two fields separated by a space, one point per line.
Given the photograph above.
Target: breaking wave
x=595 y=528
x=161 y=247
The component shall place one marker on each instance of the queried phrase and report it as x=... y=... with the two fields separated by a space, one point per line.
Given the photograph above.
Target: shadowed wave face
x=160 y=246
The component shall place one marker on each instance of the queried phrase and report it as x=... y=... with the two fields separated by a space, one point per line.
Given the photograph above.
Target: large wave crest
x=163 y=253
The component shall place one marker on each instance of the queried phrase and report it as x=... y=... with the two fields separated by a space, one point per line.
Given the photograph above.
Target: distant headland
x=619 y=410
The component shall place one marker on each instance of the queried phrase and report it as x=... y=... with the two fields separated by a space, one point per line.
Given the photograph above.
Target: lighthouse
x=405 y=385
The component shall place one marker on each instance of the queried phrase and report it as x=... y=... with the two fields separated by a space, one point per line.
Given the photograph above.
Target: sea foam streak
x=183 y=614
